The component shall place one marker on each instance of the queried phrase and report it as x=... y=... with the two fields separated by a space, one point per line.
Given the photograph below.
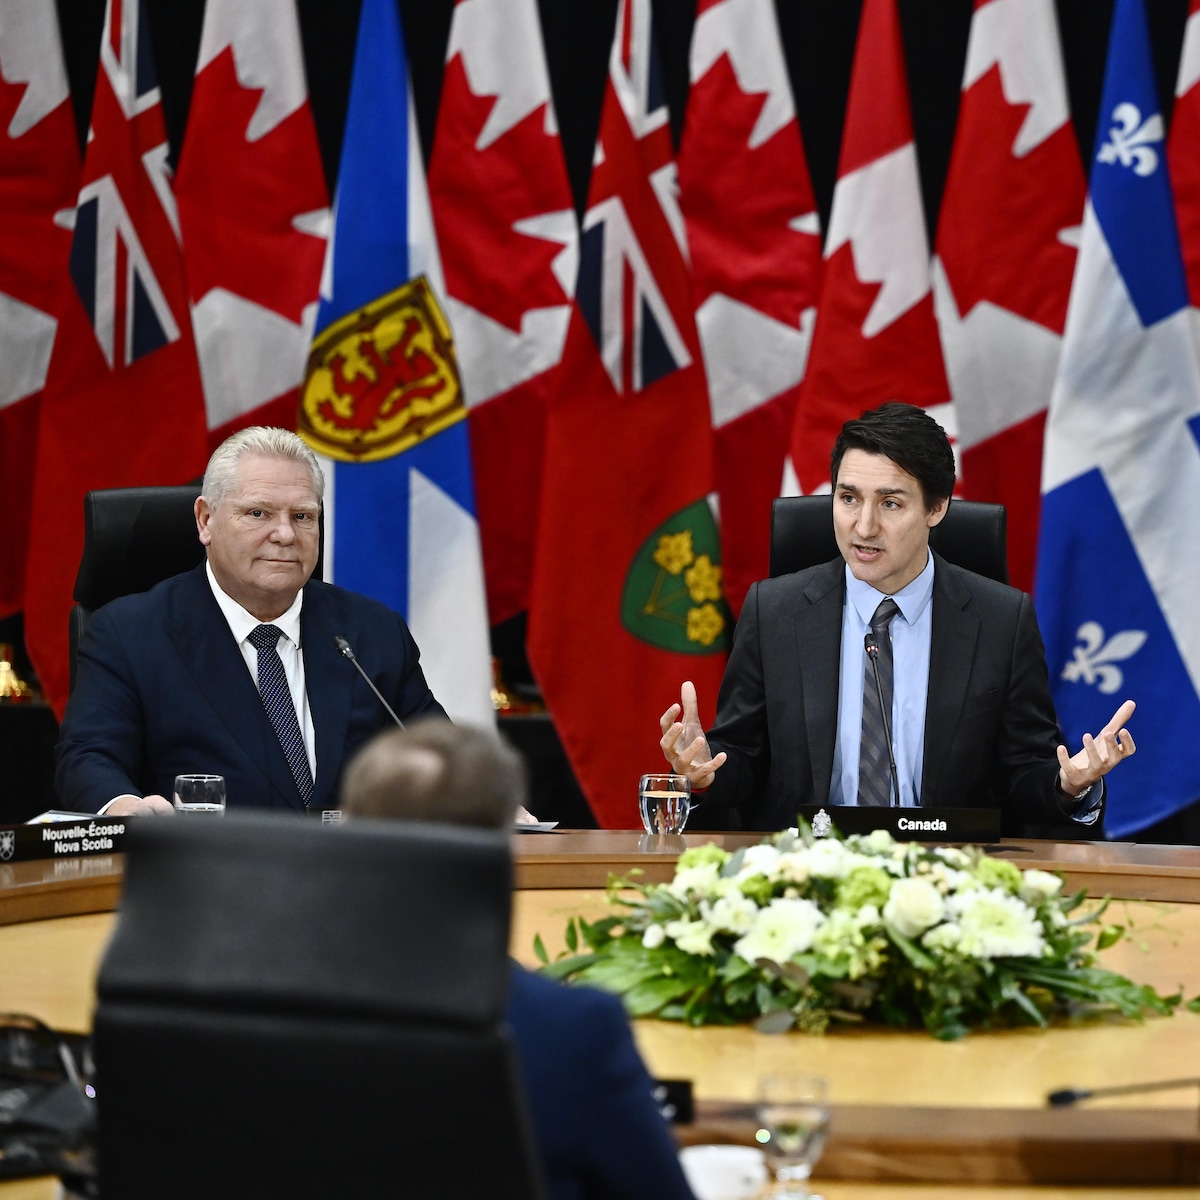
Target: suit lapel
x=955 y=636
x=818 y=628
x=201 y=635
x=330 y=682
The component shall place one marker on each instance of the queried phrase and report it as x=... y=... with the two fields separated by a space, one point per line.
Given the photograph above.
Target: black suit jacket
x=991 y=734
x=162 y=690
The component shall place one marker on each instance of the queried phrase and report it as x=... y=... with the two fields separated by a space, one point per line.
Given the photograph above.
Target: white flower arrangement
x=799 y=932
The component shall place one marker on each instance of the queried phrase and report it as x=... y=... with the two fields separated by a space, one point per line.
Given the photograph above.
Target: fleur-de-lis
x=1128 y=138
x=1093 y=661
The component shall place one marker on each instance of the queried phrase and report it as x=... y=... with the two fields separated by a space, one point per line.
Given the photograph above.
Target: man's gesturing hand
x=1099 y=754
x=683 y=742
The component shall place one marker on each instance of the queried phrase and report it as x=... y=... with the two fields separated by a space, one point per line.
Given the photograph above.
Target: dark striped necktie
x=277 y=700
x=874 y=767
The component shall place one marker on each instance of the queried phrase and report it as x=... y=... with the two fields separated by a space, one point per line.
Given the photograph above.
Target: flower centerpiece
x=800 y=932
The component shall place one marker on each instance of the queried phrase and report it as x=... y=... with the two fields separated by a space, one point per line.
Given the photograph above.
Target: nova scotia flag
x=400 y=521
x=1118 y=578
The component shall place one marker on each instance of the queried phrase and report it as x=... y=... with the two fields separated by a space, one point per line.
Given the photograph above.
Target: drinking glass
x=200 y=795
x=665 y=801
x=793 y=1119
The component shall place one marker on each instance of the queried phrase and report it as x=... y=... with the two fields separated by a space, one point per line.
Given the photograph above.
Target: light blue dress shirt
x=912 y=631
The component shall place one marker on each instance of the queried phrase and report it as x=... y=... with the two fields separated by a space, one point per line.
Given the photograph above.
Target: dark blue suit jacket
x=598 y=1128
x=162 y=690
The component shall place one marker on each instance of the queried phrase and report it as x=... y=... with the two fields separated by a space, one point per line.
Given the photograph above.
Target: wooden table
x=906 y=1106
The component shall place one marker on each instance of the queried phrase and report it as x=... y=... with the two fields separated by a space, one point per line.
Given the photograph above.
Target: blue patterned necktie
x=277 y=700
x=874 y=766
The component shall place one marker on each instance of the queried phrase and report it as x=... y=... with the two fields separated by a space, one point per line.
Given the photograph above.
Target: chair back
x=972 y=534
x=133 y=538
x=290 y=1010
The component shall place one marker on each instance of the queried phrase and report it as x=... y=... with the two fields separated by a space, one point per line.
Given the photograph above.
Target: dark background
x=818 y=39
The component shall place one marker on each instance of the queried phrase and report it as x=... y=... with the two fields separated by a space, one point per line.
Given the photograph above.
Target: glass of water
x=200 y=795
x=665 y=801
x=793 y=1120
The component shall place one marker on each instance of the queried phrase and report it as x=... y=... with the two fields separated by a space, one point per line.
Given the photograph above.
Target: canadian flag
x=876 y=337
x=756 y=264
x=1183 y=154
x=254 y=214
x=38 y=183
x=1006 y=249
x=510 y=251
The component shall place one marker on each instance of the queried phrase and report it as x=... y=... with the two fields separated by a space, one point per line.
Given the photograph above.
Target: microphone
x=871 y=646
x=1066 y=1096
x=345 y=648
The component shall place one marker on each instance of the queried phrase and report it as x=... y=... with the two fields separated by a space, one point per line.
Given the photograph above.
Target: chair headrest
x=134 y=538
x=279 y=913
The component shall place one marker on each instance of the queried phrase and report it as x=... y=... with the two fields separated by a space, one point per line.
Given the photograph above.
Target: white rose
x=759 y=860
x=699 y=881
x=913 y=906
x=654 y=937
x=733 y=912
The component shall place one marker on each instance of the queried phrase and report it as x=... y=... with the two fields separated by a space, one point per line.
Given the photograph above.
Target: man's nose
x=867 y=524
x=282 y=529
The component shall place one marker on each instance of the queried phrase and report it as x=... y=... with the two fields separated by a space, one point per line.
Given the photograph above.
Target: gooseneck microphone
x=1065 y=1096
x=871 y=646
x=348 y=651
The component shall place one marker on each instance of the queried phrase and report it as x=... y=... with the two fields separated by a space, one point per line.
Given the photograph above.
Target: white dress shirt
x=912 y=631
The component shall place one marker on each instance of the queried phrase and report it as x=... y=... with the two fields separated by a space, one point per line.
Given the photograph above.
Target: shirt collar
x=243 y=623
x=911 y=599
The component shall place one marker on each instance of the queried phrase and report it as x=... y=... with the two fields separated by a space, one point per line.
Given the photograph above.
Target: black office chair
x=133 y=538
x=972 y=534
x=287 y=1010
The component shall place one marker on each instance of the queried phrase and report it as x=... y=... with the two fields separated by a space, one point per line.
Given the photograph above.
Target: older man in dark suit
x=232 y=669
x=971 y=719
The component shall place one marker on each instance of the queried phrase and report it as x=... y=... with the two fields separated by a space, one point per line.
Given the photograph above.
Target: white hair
x=257 y=441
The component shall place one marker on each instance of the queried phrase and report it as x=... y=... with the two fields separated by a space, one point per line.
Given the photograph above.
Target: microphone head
x=871 y=644
x=1065 y=1096
x=343 y=646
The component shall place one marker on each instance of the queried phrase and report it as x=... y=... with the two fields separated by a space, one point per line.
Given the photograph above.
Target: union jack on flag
x=617 y=292
x=109 y=264
x=115 y=280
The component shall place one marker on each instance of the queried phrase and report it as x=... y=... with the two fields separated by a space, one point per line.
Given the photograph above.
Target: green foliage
x=801 y=933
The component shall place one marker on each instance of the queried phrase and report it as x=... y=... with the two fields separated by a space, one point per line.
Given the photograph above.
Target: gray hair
x=257 y=441
x=435 y=771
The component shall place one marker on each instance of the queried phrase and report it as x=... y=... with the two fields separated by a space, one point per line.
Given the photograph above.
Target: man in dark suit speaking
x=232 y=669
x=970 y=715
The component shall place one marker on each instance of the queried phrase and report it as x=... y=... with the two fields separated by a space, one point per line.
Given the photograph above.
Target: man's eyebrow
x=899 y=490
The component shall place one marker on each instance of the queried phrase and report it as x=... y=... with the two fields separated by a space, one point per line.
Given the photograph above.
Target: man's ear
x=204 y=513
x=935 y=515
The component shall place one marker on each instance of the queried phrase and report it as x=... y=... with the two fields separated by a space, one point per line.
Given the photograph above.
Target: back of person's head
x=436 y=771
x=257 y=441
x=911 y=438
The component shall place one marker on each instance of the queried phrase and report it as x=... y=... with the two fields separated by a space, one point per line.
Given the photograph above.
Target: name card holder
x=62 y=839
x=979 y=825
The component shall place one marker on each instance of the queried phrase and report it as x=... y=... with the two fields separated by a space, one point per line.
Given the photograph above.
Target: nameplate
x=907 y=824
x=62 y=839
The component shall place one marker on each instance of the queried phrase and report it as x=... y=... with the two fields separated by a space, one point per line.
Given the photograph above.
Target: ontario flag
x=382 y=395
x=38 y=182
x=1117 y=581
x=1006 y=247
x=122 y=403
x=254 y=213
x=510 y=250
x=1183 y=152
x=756 y=264
x=626 y=601
x=876 y=336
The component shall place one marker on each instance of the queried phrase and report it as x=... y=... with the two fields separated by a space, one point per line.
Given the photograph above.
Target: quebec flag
x=1118 y=577
x=382 y=396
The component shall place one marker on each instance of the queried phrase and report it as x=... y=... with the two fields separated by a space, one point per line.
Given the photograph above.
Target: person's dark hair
x=436 y=771
x=911 y=438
